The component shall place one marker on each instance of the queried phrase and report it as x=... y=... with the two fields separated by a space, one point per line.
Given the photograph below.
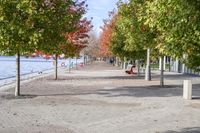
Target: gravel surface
x=100 y=98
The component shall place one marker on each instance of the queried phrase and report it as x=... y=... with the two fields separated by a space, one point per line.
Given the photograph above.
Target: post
x=148 y=67
x=187 y=89
x=17 y=88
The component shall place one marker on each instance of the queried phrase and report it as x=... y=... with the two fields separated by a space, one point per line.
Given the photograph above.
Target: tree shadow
x=185 y=130
x=127 y=91
x=150 y=91
x=143 y=91
x=96 y=78
x=175 y=76
x=55 y=94
x=12 y=96
x=155 y=76
x=124 y=91
x=196 y=91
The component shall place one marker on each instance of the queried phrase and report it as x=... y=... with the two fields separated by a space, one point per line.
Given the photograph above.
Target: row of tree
x=51 y=27
x=164 y=27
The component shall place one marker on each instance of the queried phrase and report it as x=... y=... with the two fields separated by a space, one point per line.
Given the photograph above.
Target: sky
x=98 y=10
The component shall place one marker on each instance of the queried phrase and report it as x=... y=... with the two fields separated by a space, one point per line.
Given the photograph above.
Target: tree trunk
x=164 y=63
x=138 y=68
x=148 y=67
x=76 y=64
x=124 y=67
x=56 y=67
x=169 y=64
x=69 y=64
x=117 y=61
x=17 y=88
x=162 y=72
x=122 y=64
x=84 y=60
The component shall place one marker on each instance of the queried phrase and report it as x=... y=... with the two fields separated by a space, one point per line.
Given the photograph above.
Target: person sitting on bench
x=130 y=70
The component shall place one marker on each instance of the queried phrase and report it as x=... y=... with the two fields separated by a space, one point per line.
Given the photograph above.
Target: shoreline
x=28 y=66
x=25 y=79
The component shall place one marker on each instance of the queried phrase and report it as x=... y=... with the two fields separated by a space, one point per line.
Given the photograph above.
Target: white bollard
x=187 y=89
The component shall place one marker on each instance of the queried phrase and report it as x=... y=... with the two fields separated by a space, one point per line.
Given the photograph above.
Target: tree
x=138 y=37
x=79 y=38
x=106 y=36
x=177 y=29
x=61 y=18
x=18 y=34
x=121 y=36
x=92 y=48
x=28 y=26
x=133 y=36
x=178 y=25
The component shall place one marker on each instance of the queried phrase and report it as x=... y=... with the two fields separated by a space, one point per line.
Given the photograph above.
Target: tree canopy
x=168 y=27
x=178 y=27
x=18 y=33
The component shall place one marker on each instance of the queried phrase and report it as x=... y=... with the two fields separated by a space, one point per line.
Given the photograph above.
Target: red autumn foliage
x=79 y=38
x=106 y=35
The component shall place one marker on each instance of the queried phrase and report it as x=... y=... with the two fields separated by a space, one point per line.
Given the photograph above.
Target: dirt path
x=100 y=98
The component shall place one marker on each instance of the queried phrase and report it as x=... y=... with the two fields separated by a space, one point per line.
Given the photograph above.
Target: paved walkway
x=101 y=98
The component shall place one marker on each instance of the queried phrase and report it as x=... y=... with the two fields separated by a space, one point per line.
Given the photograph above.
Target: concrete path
x=101 y=98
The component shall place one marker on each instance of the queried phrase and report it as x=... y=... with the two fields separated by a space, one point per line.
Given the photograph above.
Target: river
x=29 y=66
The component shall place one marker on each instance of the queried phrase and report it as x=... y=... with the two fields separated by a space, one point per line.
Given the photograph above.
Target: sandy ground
x=101 y=98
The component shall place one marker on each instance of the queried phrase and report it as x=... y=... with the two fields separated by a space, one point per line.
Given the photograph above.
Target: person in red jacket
x=131 y=71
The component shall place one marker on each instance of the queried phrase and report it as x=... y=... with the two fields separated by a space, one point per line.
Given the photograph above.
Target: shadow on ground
x=143 y=91
x=12 y=96
x=186 y=130
x=134 y=77
x=96 y=78
x=124 y=91
x=174 y=76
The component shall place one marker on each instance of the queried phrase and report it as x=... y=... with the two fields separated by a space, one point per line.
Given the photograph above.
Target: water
x=29 y=66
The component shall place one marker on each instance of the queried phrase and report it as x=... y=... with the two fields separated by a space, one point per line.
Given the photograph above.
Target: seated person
x=130 y=69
